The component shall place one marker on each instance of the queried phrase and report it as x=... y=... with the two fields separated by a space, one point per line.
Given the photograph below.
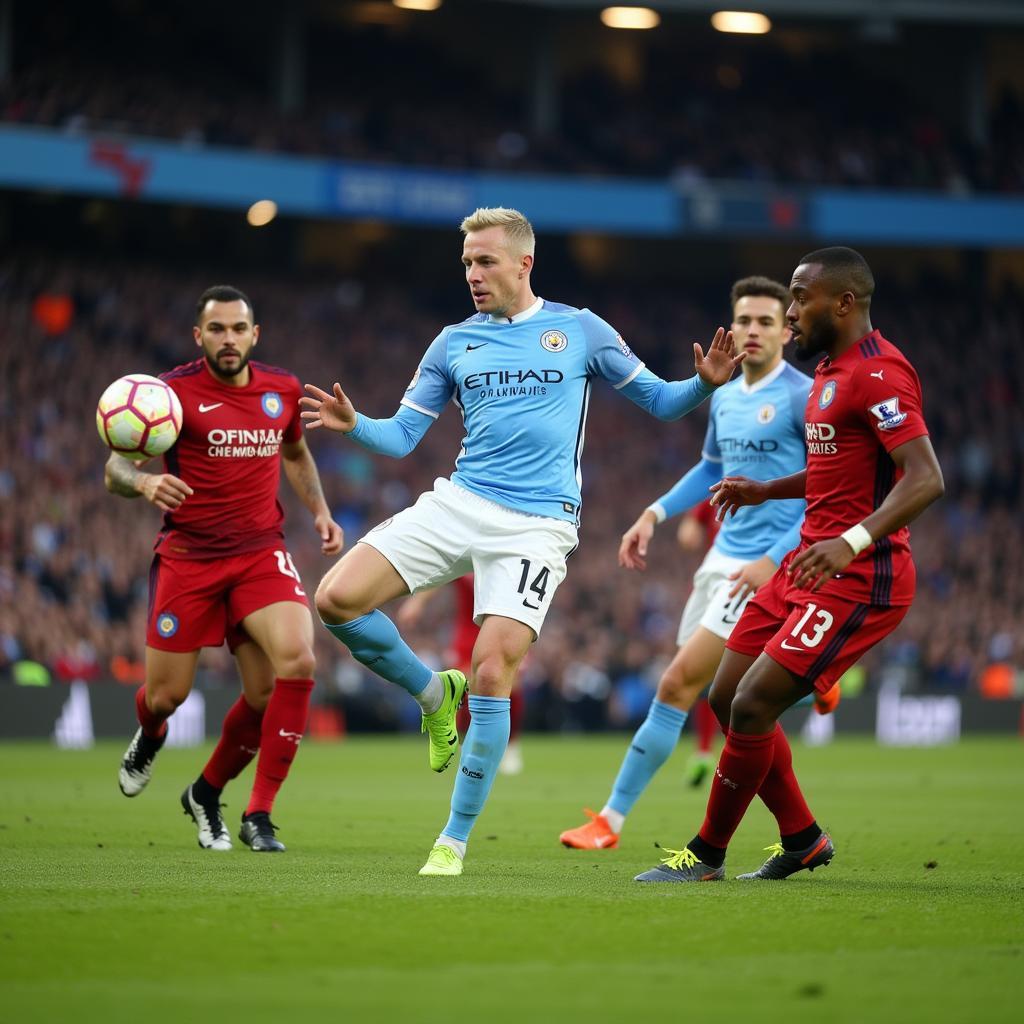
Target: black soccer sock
x=204 y=793
x=713 y=856
x=801 y=840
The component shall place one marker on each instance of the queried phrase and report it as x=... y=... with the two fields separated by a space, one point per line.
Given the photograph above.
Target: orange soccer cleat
x=597 y=834
x=825 y=703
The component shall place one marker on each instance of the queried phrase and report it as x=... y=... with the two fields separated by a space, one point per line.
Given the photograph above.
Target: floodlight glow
x=261 y=212
x=417 y=5
x=630 y=17
x=746 y=22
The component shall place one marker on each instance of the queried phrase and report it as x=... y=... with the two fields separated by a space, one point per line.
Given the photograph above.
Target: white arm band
x=659 y=512
x=858 y=538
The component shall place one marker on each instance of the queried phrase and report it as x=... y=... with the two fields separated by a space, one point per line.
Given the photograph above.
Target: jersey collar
x=519 y=317
x=750 y=389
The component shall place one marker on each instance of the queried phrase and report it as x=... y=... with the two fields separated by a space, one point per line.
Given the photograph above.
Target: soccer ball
x=138 y=416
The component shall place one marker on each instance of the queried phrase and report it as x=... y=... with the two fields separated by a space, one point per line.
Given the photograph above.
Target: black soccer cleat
x=783 y=863
x=137 y=764
x=257 y=833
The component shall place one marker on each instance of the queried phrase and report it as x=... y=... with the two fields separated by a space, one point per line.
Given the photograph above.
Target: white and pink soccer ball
x=138 y=416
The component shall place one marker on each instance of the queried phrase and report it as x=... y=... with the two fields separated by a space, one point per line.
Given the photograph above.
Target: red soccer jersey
x=861 y=406
x=228 y=452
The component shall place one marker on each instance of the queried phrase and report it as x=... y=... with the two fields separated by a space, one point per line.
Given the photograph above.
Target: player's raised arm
x=121 y=476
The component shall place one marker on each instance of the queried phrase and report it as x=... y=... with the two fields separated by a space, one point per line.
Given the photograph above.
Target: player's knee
x=331 y=603
x=493 y=677
x=165 y=700
x=674 y=686
x=299 y=663
x=749 y=713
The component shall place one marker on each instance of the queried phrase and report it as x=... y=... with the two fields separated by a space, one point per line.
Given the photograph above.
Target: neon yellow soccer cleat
x=442 y=860
x=440 y=726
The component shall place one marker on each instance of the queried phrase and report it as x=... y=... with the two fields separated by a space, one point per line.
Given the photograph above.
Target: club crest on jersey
x=626 y=350
x=272 y=404
x=553 y=341
x=888 y=414
x=415 y=380
x=166 y=624
x=766 y=413
x=828 y=392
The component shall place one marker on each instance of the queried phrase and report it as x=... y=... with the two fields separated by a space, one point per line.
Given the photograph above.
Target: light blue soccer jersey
x=755 y=431
x=523 y=386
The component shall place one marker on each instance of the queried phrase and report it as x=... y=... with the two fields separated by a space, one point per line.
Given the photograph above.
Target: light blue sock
x=375 y=642
x=482 y=751
x=649 y=750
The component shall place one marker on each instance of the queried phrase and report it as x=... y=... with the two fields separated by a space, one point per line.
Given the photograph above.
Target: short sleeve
x=889 y=395
x=431 y=387
x=608 y=355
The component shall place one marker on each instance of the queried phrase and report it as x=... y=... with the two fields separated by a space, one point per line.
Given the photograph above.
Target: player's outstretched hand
x=165 y=491
x=718 y=366
x=733 y=492
x=819 y=563
x=334 y=411
x=332 y=536
x=633 y=549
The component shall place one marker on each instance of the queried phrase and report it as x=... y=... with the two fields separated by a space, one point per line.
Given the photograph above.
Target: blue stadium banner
x=161 y=171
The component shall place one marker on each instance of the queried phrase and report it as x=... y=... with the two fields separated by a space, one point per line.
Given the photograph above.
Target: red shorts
x=816 y=637
x=197 y=603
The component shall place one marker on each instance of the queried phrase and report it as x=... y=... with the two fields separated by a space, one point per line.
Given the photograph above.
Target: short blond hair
x=518 y=230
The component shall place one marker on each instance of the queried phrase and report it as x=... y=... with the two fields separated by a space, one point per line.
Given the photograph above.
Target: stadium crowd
x=669 y=123
x=74 y=560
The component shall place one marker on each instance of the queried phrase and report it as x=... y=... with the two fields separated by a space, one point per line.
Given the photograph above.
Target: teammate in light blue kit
x=520 y=370
x=756 y=429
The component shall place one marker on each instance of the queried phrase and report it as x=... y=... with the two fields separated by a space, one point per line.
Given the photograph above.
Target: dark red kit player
x=221 y=570
x=870 y=470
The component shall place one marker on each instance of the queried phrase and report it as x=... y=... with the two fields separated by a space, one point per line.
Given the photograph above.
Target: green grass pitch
x=110 y=912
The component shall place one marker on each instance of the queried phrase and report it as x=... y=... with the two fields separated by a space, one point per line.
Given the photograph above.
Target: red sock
x=516 y=708
x=781 y=792
x=239 y=744
x=706 y=725
x=284 y=722
x=741 y=769
x=153 y=725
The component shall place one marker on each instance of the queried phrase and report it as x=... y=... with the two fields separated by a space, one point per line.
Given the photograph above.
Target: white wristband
x=659 y=512
x=858 y=538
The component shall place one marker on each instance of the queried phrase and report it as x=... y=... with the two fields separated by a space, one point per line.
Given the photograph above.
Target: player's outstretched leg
x=347 y=601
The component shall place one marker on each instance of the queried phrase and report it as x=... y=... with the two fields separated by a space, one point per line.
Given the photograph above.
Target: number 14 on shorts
x=537 y=586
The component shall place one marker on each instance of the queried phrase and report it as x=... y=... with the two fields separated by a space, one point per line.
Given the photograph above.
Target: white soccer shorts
x=517 y=560
x=710 y=605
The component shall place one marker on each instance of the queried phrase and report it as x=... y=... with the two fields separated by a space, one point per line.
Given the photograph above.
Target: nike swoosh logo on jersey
x=470 y=348
x=209 y=408
x=789 y=647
